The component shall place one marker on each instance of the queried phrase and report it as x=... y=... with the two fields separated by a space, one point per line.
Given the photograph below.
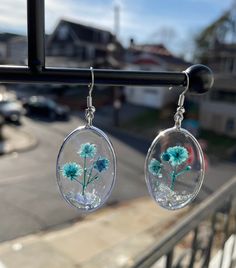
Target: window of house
x=55 y=51
x=80 y=52
x=69 y=50
x=90 y=52
x=63 y=32
x=223 y=96
x=151 y=91
x=105 y=37
x=229 y=125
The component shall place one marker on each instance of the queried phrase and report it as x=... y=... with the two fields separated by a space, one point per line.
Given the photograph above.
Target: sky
x=172 y=22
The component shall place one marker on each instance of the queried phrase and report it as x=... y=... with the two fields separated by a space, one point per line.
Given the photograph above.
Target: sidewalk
x=16 y=140
x=111 y=237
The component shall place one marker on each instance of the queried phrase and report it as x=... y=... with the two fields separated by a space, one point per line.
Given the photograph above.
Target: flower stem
x=182 y=171
x=84 y=180
x=173 y=178
x=92 y=179
x=90 y=174
x=79 y=182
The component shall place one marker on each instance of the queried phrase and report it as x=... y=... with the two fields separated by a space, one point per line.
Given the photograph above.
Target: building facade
x=217 y=109
x=154 y=58
x=77 y=45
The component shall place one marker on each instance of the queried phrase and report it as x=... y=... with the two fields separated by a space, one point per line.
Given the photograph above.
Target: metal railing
x=200 y=76
x=219 y=203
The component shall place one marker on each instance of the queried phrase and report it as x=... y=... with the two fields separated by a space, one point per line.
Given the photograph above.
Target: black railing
x=218 y=213
x=200 y=76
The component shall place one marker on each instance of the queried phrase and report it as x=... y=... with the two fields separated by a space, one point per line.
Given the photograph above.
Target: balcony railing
x=200 y=76
x=218 y=213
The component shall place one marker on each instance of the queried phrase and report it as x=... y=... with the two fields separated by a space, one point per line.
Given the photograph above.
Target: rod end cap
x=201 y=79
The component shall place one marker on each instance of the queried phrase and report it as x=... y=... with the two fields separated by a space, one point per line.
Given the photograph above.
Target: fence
x=220 y=213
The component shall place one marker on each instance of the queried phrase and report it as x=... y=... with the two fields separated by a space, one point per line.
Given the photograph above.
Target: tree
x=221 y=31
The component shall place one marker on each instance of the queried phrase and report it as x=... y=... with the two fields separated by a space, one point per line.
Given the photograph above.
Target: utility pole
x=116 y=92
x=116 y=21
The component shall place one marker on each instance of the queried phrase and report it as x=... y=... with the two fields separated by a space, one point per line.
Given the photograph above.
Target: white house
x=152 y=58
x=217 y=109
x=17 y=50
x=5 y=38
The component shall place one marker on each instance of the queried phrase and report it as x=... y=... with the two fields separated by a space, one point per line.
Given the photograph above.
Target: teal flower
x=178 y=155
x=154 y=167
x=165 y=157
x=87 y=150
x=71 y=171
x=101 y=164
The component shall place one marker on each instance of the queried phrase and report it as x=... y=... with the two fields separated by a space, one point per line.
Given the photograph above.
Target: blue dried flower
x=71 y=170
x=154 y=167
x=101 y=164
x=165 y=157
x=87 y=150
x=178 y=155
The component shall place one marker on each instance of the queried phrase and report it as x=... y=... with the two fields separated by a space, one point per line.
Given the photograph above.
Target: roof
x=87 y=32
x=159 y=51
x=145 y=59
x=4 y=37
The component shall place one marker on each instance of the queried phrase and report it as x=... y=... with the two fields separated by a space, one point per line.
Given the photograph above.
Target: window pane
x=13 y=31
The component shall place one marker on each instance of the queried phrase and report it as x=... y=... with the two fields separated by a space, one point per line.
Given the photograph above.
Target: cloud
x=139 y=19
x=13 y=16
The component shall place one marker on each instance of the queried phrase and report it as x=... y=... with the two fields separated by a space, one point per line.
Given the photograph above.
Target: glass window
x=230 y=126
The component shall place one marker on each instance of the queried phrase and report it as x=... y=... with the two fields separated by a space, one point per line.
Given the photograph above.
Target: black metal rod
x=210 y=241
x=234 y=242
x=200 y=77
x=194 y=248
x=169 y=259
x=226 y=230
x=36 y=35
x=18 y=74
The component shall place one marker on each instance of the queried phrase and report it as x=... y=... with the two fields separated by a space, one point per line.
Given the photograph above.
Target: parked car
x=11 y=110
x=40 y=106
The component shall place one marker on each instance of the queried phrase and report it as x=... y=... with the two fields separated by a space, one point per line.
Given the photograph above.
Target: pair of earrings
x=86 y=164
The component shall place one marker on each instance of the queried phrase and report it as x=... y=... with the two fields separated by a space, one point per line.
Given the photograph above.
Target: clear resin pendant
x=86 y=168
x=174 y=168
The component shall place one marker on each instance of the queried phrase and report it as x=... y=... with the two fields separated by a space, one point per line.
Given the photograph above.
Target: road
x=30 y=201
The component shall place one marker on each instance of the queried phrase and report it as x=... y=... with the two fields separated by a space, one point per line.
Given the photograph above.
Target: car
x=11 y=111
x=41 y=106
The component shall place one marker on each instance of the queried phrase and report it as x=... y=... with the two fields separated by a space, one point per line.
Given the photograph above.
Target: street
x=30 y=200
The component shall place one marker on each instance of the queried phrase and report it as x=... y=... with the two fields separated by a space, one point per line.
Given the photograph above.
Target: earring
x=174 y=166
x=86 y=163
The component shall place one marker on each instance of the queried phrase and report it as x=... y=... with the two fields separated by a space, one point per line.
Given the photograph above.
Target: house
x=77 y=45
x=156 y=58
x=17 y=50
x=4 y=42
x=217 y=109
x=222 y=58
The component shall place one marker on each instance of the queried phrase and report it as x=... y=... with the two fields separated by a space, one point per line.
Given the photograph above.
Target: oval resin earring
x=174 y=166
x=86 y=164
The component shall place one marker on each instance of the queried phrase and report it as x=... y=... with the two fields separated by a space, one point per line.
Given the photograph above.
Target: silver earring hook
x=178 y=117
x=187 y=84
x=91 y=85
x=89 y=113
x=182 y=95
